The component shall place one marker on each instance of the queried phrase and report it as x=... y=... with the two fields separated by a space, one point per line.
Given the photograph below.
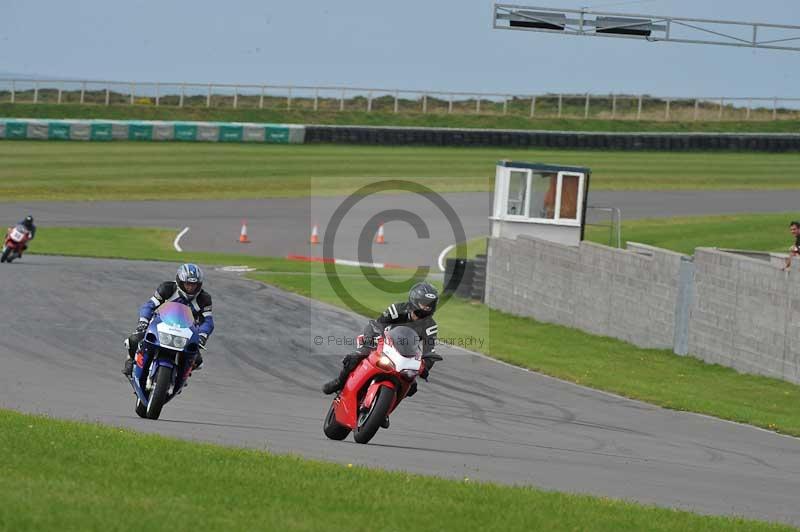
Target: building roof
x=544 y=167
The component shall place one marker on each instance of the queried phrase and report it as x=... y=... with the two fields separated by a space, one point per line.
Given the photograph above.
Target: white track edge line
x=177 y=242
x=442 y=255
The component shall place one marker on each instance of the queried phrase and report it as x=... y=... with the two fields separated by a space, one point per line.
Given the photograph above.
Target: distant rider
x=27 y=223
x=416 y=313
x=794 y=251
x=187 y=288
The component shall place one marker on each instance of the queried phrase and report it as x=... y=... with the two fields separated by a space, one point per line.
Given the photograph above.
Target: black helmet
x=422 y=299
x=404 y=340
x=28 y=221
x=189 y=273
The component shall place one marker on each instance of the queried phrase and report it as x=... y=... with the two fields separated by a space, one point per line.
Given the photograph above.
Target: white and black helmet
x=422 y=299
x=189 y=273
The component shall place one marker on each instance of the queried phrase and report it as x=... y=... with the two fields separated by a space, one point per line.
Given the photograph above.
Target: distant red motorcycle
x=375 y=388
x=16 y=238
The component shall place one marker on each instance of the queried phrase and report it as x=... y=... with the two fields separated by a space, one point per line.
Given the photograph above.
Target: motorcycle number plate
x=16 y=236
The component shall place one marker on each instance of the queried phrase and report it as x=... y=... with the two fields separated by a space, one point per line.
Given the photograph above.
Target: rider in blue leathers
x=187 y=288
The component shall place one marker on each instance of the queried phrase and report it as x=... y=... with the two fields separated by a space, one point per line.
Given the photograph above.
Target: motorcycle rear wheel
x=375 y=417
x=332 y=428
x=159 y=395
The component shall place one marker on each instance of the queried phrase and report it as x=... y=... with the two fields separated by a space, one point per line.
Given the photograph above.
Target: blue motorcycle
x=164 y=359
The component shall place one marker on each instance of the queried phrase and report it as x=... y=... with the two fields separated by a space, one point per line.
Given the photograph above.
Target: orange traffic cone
x=315 y=235
x=243 y=234
x=379 y=239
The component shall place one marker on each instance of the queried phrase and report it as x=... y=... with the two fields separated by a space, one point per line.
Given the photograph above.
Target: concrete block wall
x=746 y=315
x=741 y=310
x=628 y=294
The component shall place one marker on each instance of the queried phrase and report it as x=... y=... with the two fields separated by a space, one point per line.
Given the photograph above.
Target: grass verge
x=754 y=232
x=651 y=375
x=69 y=476
x=37 y=170
x=757 y=232
x=406 y=119
x=139 y=243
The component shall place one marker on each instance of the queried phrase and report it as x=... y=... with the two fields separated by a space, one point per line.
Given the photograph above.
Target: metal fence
x=375 y=100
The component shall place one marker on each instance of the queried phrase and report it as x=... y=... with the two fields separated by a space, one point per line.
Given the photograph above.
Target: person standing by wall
x=794 y=251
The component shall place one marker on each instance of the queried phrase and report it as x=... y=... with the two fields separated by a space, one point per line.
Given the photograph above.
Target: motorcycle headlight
x=385 y=363
x=179 y=342
x=164 y=339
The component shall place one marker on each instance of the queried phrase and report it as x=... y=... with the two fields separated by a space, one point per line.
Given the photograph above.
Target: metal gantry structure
x=652 y=28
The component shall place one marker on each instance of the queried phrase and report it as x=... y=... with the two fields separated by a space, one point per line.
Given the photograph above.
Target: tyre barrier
x=403 y=136
x=137 y=130
x=466 y=278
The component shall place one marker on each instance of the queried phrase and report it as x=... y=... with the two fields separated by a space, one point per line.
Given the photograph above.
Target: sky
x=413 y=44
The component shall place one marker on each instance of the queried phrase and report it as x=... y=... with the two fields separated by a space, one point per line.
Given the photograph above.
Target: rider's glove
x=370 y=341
x=426 y=369
x=141 y=327
x=202 y=341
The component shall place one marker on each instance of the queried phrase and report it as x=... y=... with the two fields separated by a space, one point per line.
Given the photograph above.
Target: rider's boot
x=385 y=423
x=332 y=386
x=198 y=362
x=349 y=363
x=127 y=368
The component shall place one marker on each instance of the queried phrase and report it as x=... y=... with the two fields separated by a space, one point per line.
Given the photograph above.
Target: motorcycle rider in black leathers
x=416 y=313
x=187 y=288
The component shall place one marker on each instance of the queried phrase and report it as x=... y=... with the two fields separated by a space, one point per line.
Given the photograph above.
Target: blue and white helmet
x=189 y=273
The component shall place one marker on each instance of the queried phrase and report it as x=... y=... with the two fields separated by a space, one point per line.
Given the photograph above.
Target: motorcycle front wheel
x=159 y=395
x=6 y=253
x=371 y=421
x=141 y=410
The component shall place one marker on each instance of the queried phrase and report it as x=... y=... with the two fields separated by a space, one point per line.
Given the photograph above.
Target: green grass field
x=518 y=120
x=71 y=476
x=757 y=232
x=754 y=232
x=655 y=376
x=36 y=170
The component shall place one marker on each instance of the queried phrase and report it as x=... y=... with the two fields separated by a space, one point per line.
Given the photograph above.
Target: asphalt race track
x=278 y=227
x=62 y=322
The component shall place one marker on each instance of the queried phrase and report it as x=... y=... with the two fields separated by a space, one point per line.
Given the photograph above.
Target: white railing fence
x=377 y=100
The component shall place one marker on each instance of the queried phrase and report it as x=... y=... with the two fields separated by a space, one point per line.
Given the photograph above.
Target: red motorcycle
x=16 y=238
x=375 y=388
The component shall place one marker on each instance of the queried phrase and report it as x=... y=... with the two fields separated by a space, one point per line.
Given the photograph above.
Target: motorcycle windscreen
x=404 y=341
x=18 y=233
x=176 y=315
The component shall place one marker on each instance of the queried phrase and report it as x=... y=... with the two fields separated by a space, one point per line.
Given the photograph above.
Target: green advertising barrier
x=186 y=132
x=138 y=131
x=58 y=131
x=230 y=133
x=98 y=130
x=16 y=130
x=277 y=134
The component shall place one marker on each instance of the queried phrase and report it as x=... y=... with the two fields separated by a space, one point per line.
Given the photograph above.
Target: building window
x=543 y=195
x=570 y=187
x=517 y=193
